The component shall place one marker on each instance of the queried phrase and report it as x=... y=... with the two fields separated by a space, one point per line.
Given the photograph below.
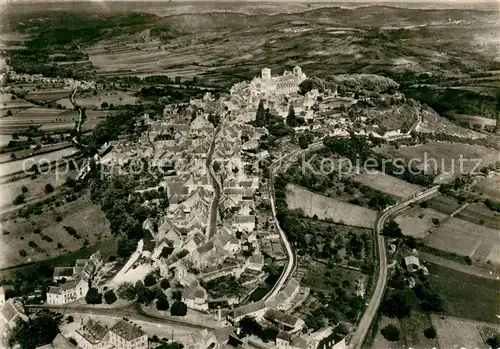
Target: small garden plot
x=224 y=286
x=333 y=294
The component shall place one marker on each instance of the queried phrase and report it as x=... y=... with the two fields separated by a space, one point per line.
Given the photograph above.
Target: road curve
x=358 y=337
x=291 y=264
x=133 y=313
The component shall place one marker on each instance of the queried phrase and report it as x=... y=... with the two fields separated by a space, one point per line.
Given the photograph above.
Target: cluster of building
x=228 y=337
x=122 y=335
x=11 y=75
x=74 y=282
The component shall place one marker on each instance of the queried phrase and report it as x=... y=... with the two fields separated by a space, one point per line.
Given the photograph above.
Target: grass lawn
x=412 y=329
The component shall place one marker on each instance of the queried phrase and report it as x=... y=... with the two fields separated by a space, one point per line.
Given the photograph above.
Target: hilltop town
x=277 y=206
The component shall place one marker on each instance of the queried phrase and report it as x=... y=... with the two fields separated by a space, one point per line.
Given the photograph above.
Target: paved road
x=131 y=312
x=217 y=187
x=358 y=337
x=291 y=264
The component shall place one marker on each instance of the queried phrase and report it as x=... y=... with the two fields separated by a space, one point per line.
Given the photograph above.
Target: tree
x=162 y=303
x=291 y=120
x=250 y=326
x=70 y=319
x=178 y=309
x=24 y=189
x=127 y=291
x=261 y=117
x=305 y=86
x=18 y=200
x=164 y=284
x=430 y=332
x=392 y=230
x=150 y=280
x=110 y=297
x=494 y=342
x=49 y=188
x=9 y=113
x=36 y=332
x=93 y=296
x=104 y=105
x=398 y=304
x=391 y=333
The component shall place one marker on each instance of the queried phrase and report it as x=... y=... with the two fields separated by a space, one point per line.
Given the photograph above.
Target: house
x=412 y=263
x=10 y=313
x=59 y=342
x=290 y=323
x=203 y=256
x=92 y=335
x=221 y=338
x=285 y=340
x=283 y=300
x=195 y=297
x=84 y=268
x=255 y=262
x=244 y=222
x=68 y=292
x=255 y=309
x=126 y=335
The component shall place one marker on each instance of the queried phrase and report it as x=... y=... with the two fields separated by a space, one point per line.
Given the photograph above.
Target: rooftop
x=127 y=330
x=93 y=331
x=294 y=341
x=281 y=317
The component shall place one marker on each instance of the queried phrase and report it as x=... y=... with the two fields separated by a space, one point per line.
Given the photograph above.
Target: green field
x=466 y=295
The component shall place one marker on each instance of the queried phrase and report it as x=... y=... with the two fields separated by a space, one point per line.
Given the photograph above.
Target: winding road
x=358 y=337
x=291 y=264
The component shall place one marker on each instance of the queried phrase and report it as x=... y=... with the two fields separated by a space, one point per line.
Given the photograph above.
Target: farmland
x=388 y=184
x=444 y=204
x=96 y=101
x=328 y=208
x=24 y=165
x=466 y=239
x=418 y=221
x=21 y=234
x=460 y=333
x=445 y=157
x=35 y=187
x=479 y=213
x=47 y=119
x=490 y=187
x=465 y=295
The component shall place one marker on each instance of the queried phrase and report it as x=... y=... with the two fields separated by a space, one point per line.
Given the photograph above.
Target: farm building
x=412 y=263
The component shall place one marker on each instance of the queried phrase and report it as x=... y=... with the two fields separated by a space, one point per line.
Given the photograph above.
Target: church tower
x=266 y=74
